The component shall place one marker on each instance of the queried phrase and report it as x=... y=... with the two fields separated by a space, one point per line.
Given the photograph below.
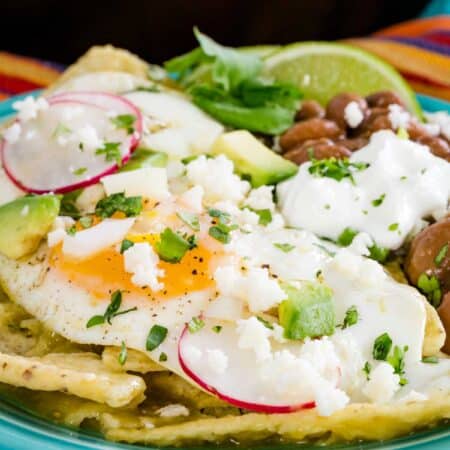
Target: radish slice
x=56 y=151
x=240 y=383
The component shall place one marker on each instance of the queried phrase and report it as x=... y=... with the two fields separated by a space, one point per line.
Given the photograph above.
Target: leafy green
x=111 y=150
x=195 y=324
x=163 y=357
x=80 y=171
x=125 y=245
x=308 y=311
x=130 y=206
x=378 y=253
x=222 y=229
x=378 y=201
x=143 y=157
x=351 y=317
x=155 y=337
x=284 y=247
x=265 y=215
x=338 y=169
x=346 y=237
x=124 y=121
x=382 y=347
x=397 y=359
x=111 y=311
x=171 y=246
x=68 y=204
x=393 y=226
x=430 y=286
x=217 y=328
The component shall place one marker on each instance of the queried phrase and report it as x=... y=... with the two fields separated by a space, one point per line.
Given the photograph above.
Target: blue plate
x=24 y=430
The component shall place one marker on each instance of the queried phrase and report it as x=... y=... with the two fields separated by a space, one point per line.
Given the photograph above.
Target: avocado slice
x=252 y=159
x=24 y=222
x=143 y=157
x=308 y=311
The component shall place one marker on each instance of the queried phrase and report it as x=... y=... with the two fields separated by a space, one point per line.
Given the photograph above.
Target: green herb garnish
x=86 y=221
x=430 y=286
x=111 y=311
x=80 y=171
x=60 y=129
x=155 y=337
x=284 y=247
x=265 y=215
x=217 y=328
x=195 y=324
x=111 y=151
x=367 y=369
x=378 y=201
x=346 y=237
x=171 y=246
x=382 y=347
x=68 y=204
x=265 y=322
x=393 y=226
x=190 y=219
x=123 y=354
x=397 y=359
x=124 y=121
x=130 y=206
x=430 y=360
x=442 y=253
x=351 y=317
x=338 y=169
x=125 y=245
x=163 y=357
x=71 y=231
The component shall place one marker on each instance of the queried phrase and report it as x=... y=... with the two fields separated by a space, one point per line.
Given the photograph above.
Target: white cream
x=411 y=182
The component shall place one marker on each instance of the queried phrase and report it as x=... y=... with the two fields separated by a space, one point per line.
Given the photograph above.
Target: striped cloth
x=419 y=49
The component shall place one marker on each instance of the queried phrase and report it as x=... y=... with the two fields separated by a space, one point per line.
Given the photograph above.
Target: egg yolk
x=104 y=272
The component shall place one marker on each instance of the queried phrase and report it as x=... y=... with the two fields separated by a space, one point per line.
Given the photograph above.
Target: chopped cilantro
x=403 y=178
x=130 y=206
x=222 y=216
x=430 y=286
x=124 y=121
x=393 y=226
x=155 y=337
x=163 y=357
x=351 y=317
x=378 y=201
x=382 y=347
x=195 y=324
x=346 y=237
x=377 y=253
x=338 y=169
x=325 y=249
x=217 y=328
x=111 y=311
x=367 y=369
x=397 y=359
x=265 y=215
x=112 y=152
x=60 y=129
x=430 y=360
x=123 y=354
x=71 y=231
x=442 y=253
x=171 y=246
x=189 y=219
x=68 y=204
x=86 y=221
x=125 y=245
x=265 y=322
x=80 y=171
x=221 y=232
x=284 y=247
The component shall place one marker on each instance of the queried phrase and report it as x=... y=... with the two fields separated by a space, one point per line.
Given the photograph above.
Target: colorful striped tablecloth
x=419 y=49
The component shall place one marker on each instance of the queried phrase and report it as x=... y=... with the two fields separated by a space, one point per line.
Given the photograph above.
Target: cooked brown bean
x=383 y=99
x=416 y=130
x=438 y=146
x=376 y=120
x=444 y=314
x=336 y=107
x=425 y=248
x=319 y=148
x=310 y=109
x=353 y=144
x=309 y=129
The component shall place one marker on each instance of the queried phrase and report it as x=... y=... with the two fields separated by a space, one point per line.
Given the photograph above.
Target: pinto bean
x=425 y=248
x=444 y=314
x=353 y=144
x=336 y=107
x=383 y=99
x=319 y=148
x=309 y=129
x=310 y=109
x=376 y=120
x=438 y=146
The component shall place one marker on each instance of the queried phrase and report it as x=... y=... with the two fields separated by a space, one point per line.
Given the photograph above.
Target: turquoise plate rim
x=21 y=429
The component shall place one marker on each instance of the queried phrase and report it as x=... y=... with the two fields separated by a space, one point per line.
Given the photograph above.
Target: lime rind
x=356 y=71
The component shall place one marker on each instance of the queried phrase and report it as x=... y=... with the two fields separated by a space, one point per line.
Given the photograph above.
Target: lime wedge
x=323 y=69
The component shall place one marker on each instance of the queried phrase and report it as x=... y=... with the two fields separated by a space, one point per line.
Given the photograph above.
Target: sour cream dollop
x=403 y=184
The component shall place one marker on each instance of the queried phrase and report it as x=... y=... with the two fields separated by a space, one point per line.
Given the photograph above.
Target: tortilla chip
x=80 y=374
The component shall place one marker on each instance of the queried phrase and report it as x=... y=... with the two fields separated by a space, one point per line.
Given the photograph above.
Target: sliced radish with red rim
x=240 y=383
x=80 y=138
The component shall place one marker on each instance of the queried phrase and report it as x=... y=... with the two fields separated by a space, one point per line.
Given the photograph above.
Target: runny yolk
x=105 y=273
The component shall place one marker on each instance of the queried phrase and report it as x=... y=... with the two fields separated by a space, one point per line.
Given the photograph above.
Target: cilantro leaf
x=284 y=247
x=86 y=221
x=162 y=357
x=265 y=215
x=441 y=255
x=171 y=246
x=430 y=360
x=351 y=317
x=195 y=324
x=378 y=253
x=68 y=205
x=112 y=152
x=155 y=337
x=367 y=369
x=217 y=328
x=130 y=206
x=125 y=245
x=189 y=219
x=80 y=171
x=346 y=237
x=265 y=322
x=338 y=169
x=430 y=286
x=397 y=359
x=124 y=121
x=378 y=201
x=123 y=354
x=382 y=347
x=393 y=226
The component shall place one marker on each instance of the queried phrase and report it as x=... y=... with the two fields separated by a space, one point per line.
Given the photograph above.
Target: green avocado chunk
x=308 y=311
x=143 y=157
x=24 y=222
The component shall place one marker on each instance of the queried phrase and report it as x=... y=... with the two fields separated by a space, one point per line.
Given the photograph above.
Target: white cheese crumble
x=87 y=136
x=254 y=335
x=383 y=384
x=87 y=243
x=398 y=117
x=217 y=178
x=261 y=198
x=353 y=114
x=29 y=107
x=442 y=119
x=12 y=133
x=148 y=182
x=174 y=410
x=193 y=199
x=217 y=361
x=142 y=261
